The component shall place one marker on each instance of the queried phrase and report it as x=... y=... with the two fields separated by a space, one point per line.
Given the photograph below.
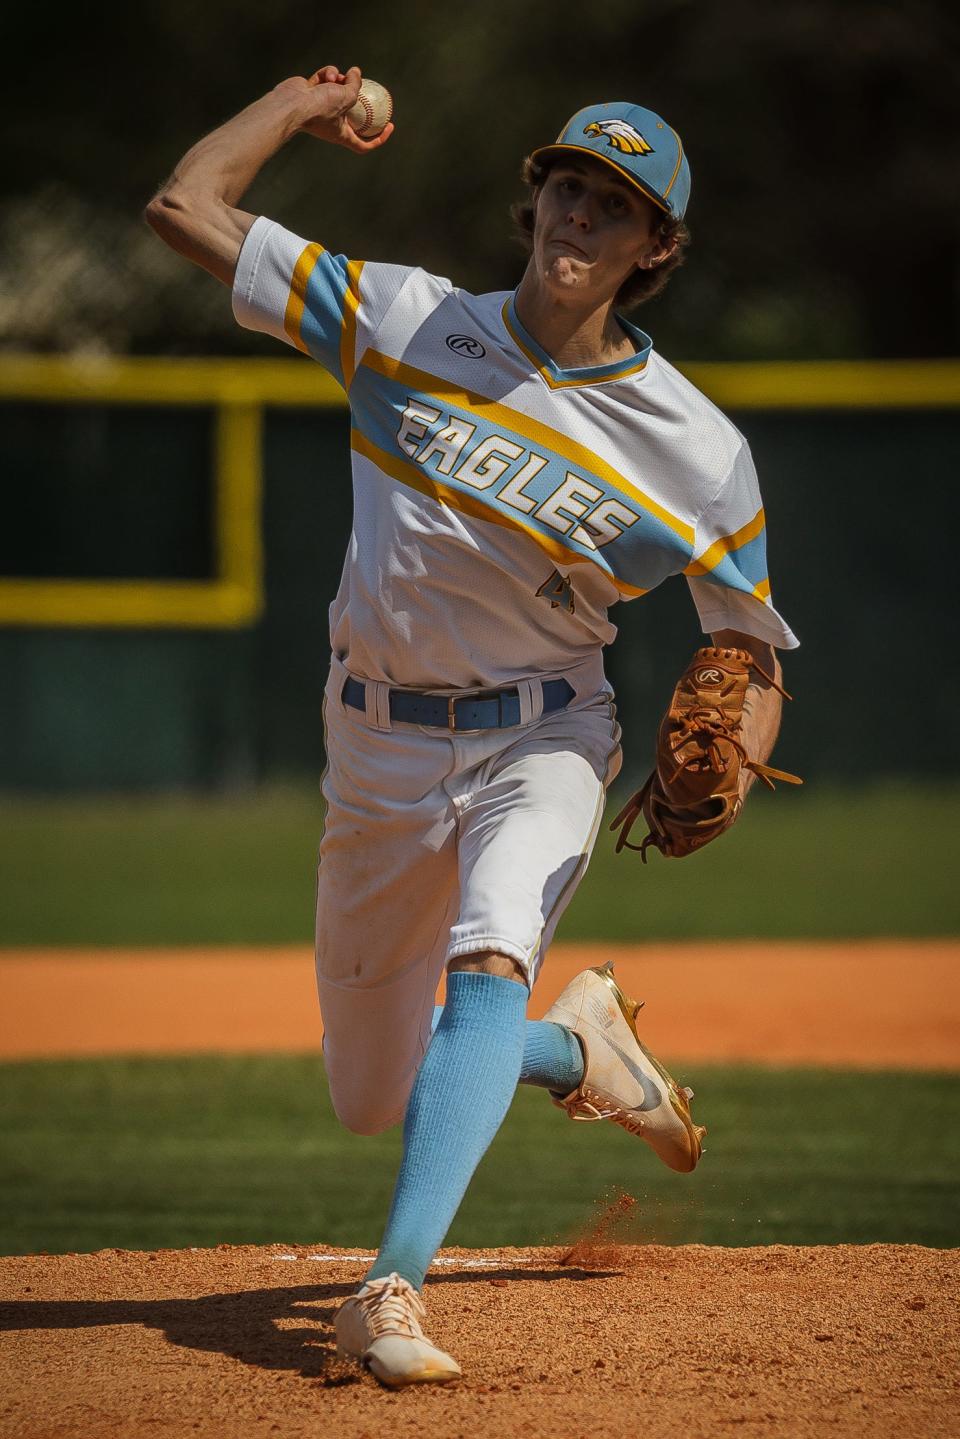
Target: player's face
x=592 y=230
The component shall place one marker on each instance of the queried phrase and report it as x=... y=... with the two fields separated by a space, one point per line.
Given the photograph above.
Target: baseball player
x=521 y=461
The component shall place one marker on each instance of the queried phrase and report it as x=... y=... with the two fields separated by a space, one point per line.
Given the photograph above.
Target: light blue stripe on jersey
x=646 y=552
x=742 y=569
x=325 y=303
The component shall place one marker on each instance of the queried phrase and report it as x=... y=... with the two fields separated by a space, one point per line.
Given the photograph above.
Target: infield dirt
x=607 y=1338
x=667 y=1343
x=863 y=1003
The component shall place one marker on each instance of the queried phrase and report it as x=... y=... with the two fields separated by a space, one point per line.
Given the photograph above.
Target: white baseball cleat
x=621 y=1079
x=380 y=1326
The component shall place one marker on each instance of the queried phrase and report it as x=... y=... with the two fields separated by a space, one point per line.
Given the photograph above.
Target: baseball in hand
x=373 y=110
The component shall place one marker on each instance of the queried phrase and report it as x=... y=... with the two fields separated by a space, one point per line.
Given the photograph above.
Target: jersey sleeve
x=325 y=305
x=728 y=573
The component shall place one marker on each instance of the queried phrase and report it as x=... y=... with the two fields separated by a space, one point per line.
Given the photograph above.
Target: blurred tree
x=821 y=138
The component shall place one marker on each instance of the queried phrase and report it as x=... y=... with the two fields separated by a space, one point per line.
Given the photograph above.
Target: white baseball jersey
x=502 y=504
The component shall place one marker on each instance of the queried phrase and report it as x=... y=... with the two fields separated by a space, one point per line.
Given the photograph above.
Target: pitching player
x=521 y=461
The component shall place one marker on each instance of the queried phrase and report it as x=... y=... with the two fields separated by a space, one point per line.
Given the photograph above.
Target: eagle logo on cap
x=620 y=135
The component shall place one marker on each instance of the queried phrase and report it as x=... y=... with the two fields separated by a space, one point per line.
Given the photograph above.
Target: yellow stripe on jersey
x=551 y=380
x=711 y=557
x=762 y=591
x=293 y=315
x=425 y=483
x=540 y=435
x=348 y=329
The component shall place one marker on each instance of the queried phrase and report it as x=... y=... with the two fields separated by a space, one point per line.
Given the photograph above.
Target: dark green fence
x=862 y=516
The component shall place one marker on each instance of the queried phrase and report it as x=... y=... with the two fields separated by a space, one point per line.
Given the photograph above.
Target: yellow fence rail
x=240 y=390
x=296 y=382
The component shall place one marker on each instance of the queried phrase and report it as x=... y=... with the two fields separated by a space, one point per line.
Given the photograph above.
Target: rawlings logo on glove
x=693 y=794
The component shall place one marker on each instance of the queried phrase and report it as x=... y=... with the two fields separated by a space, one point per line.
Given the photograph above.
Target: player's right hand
x=326 y=98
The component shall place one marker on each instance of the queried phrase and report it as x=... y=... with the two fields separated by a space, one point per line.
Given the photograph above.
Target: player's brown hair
x=642 y=284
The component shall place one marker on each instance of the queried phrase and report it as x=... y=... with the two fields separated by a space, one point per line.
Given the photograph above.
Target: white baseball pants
x=438 y=845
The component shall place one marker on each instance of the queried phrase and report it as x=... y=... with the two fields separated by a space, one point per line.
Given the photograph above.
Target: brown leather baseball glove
x=693 y=794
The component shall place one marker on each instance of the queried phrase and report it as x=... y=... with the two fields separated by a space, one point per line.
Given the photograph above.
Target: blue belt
x=496 y=709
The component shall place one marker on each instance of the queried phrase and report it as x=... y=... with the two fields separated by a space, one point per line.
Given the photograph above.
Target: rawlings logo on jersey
x=620 y=135
x=466 y=345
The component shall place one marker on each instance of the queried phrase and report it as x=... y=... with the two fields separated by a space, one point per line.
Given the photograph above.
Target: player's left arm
x=762 y=704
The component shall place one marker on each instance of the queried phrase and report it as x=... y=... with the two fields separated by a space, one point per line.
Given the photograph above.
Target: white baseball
x=373 y=110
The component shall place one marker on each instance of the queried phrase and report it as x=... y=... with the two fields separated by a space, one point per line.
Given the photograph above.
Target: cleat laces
x=589 y=1106
x=393 y=1306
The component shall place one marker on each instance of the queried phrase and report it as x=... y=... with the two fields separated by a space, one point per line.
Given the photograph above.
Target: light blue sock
x=552 y=1057
x=461 y=1094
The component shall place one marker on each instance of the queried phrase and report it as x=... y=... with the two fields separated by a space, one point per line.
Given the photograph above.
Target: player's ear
x=658 y=249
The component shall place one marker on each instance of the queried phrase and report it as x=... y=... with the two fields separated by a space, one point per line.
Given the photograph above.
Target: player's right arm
x=196 y=212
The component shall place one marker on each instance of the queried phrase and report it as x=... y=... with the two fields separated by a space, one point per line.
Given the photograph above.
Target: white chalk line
x=365 y=1258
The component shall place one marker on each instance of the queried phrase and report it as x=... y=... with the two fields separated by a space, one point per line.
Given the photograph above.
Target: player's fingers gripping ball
x=373 y=110
x=694 y=792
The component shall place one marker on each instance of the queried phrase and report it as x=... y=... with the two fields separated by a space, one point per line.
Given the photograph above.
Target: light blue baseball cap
x=635 y=142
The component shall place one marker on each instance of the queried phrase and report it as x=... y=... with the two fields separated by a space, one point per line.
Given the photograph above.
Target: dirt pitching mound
x=606 y=1242
x=667 y=1343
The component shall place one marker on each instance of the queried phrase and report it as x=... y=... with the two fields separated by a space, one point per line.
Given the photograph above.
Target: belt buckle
x=452 y=700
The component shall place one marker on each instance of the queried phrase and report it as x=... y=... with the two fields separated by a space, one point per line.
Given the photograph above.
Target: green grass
x=804 y=863
x=146 y=1153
